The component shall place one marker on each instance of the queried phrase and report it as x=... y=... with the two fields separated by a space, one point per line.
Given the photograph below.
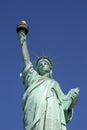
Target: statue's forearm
x=25 y=53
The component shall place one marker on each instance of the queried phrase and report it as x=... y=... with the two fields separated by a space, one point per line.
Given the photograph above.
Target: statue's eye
x=45 y=63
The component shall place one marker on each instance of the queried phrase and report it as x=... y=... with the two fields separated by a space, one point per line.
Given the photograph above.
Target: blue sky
x=57 y=27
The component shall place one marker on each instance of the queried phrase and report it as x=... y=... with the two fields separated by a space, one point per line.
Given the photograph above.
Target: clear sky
x=57 y=27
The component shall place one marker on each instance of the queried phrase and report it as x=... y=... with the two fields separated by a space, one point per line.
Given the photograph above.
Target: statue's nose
x=42 y=64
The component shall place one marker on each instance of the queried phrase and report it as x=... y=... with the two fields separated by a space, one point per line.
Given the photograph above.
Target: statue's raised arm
x=22 y=30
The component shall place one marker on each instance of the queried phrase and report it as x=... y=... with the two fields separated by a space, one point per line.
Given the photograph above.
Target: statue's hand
x=22 y=37
x=74 y=96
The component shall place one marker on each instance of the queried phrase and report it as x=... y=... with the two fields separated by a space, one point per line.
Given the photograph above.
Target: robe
x=45 y=106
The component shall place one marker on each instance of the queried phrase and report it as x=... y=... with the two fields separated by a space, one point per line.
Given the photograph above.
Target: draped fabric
x=45 y=106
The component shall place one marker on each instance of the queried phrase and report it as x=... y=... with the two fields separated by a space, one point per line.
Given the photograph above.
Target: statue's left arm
x=73 y=94
x=69 y=101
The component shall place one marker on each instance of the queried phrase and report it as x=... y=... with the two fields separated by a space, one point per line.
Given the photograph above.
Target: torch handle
x=22 y=37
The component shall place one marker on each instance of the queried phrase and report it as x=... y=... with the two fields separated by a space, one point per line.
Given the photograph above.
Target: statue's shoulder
x=28 y=69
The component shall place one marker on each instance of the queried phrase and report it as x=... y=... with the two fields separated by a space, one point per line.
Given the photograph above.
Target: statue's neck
x=47 y=75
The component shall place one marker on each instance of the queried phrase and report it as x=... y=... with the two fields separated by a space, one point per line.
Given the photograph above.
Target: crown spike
x=43 y=53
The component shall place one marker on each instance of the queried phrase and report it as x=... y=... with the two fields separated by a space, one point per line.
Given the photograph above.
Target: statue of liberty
x=45 y=106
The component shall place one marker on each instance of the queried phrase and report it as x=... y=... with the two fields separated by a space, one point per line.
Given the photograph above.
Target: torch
x=22 y=30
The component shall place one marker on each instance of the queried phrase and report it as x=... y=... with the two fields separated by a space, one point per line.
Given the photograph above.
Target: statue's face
x=43 y=67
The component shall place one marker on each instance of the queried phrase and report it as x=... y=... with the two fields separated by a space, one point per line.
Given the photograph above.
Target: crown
x=49 y=60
